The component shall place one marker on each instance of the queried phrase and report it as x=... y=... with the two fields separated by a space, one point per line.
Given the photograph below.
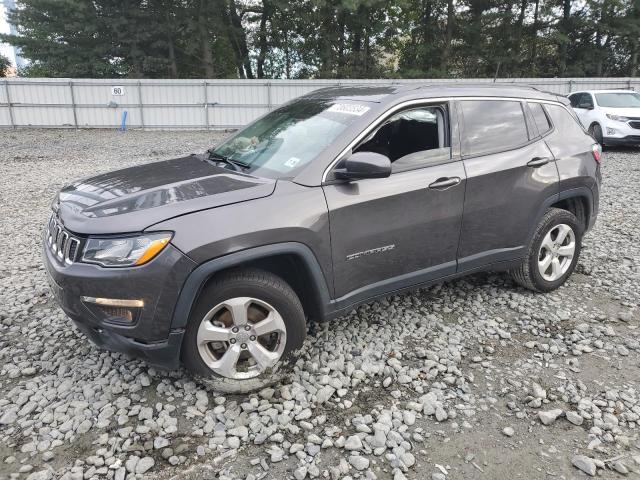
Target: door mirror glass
x=363 y=165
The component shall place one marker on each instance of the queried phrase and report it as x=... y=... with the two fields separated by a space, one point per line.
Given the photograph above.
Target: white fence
x=194 y=104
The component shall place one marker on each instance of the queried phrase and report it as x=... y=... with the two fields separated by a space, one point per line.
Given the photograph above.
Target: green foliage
x=327 y=38
x=4 y=66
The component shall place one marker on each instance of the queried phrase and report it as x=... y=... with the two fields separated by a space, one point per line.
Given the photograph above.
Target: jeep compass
x=218 y=260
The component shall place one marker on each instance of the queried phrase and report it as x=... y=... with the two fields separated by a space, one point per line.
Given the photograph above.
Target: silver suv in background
x=612 y=117
x=218 y=260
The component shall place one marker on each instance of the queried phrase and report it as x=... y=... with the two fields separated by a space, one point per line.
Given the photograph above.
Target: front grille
x=64 y=245
x=635 y=124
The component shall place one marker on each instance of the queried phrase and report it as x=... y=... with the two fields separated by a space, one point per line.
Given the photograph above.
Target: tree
x=5 y=64
x=327 y=38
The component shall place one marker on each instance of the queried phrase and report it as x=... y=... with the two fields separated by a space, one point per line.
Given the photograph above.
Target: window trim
x=446 y=115
x=452 y=103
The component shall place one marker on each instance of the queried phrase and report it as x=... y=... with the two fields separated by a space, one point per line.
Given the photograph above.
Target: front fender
x=199 y=276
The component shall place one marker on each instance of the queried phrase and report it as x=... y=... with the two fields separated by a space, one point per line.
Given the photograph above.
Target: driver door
x=399 y=231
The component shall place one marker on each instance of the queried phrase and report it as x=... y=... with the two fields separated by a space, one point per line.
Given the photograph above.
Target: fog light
x=114 y=309
x=114 y=302
x=611 y=131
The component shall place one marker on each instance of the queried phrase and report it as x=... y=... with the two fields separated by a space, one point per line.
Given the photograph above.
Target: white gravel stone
x=585 y=464
x=550 y=416
x=353 y=443
x=358 y=462
x=574 y=417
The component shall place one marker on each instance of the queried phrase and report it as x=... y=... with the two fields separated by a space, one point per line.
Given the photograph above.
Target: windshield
x=619 y=100
x=281 y=143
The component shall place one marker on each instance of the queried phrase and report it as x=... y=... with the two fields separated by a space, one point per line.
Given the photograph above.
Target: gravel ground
x=474 y=379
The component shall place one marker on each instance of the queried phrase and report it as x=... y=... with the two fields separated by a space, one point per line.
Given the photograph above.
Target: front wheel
x=242 y=331
x=553 y=252
x=595 y=131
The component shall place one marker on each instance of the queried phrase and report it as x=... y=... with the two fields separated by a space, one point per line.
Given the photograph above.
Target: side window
x=586 y=101
x=566 y=124
x=493 y=125
x=412 y=138
x=540 y=117
x=575 y=99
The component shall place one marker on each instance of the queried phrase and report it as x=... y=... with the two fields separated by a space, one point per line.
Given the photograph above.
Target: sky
x=4 y=28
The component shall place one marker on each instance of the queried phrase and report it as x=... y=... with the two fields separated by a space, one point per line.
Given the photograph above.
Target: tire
x=532 y=273
x=595 y=130
x=263 y=297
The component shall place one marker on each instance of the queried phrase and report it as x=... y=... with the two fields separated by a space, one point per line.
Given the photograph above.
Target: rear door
x=510 y=174
x=395 y=232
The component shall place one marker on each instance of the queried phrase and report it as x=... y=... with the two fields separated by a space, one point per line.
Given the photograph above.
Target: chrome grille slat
x=61 y=242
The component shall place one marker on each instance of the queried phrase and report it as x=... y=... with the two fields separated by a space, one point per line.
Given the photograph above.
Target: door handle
x=444 y=183
x=538 y=162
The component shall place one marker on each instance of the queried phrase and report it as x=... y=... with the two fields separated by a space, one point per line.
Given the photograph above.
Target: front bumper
x=157 y=284
x=629 y=140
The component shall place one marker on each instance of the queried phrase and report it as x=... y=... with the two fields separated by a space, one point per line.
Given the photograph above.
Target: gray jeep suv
x=218 y=260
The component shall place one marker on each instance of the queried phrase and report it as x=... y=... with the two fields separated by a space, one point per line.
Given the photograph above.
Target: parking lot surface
x=474 y=379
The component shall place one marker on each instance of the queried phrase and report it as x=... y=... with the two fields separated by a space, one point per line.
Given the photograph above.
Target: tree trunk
x=426 y=34
x=518 y=41
x=534 y=39
x=341 y=33
x=633 y=61
x=287 y=55
x=240 y=38
x=564 y=42
x=262 y=37
x=448 y=38
x=327 y=35
x=173 y=66
x=205 y=40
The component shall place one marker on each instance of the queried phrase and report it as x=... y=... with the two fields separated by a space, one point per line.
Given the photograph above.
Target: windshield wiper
x=221 y=158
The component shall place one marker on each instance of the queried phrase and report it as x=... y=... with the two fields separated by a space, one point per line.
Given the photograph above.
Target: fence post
x=269 y=103
x=140 y=105
x=6 y=91
x=73 y=105
x=570 y=86
x=206 y=105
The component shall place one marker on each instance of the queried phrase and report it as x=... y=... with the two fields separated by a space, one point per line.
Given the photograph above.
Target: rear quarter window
x=566 y=124
x=492 y=126
x=540 y=118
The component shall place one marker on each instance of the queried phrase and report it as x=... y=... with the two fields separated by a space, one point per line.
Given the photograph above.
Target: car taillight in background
x=596 y=150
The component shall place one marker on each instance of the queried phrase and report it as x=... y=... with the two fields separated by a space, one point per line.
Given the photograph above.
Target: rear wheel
x=242 y=331
x=596 y=132
x=553 y=252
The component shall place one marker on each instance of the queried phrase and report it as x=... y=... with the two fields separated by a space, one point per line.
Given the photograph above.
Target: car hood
x=133 y=199
x=624 y=112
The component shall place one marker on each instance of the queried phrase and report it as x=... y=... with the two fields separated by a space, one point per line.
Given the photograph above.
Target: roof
x=384 y=93
x=613 y=90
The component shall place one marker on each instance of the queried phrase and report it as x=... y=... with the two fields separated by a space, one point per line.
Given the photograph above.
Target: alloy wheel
x=556 y=252
x=241 y=338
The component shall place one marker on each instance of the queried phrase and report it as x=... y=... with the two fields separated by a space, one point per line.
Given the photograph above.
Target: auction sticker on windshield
x=348 y=108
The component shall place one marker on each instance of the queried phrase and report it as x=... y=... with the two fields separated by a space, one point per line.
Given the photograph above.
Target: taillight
x=596 y=151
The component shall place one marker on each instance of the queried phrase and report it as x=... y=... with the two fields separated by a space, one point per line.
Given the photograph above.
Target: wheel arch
x=578 y=201
x=294 y=262
x=579 y=197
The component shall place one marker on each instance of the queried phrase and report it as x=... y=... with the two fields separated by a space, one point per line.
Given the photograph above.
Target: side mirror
x=363 y=165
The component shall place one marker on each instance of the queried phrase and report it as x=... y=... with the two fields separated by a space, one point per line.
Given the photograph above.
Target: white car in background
x=612 y=117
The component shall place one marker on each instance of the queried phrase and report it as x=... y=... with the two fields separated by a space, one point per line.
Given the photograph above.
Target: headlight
x=124 y=251
x=617 y=118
